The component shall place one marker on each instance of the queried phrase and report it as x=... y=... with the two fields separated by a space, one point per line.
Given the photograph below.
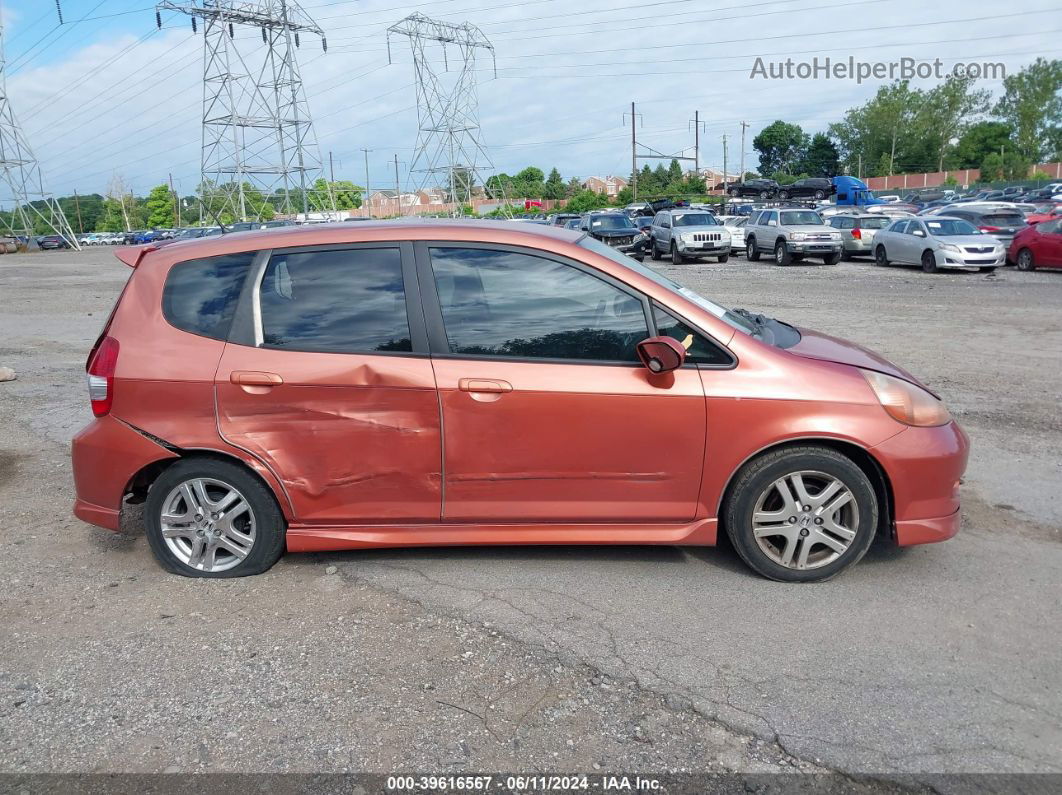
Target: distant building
x=610 y=186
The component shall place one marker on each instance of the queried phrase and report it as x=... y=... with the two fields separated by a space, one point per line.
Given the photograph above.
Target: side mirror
x=661 y=354
x=919 y=233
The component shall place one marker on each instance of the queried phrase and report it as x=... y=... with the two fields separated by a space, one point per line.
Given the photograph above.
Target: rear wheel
x=733 y=193
x=1025 y=260
x=764 y=194
x=846 y=255
x=781 y=254
x=783 y=195
x=820 y=194
x=209 y=518
x=880 y=257
x=801 y=514
x=929 y=262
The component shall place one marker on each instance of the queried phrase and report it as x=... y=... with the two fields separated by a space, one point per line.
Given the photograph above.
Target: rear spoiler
x=132 y=255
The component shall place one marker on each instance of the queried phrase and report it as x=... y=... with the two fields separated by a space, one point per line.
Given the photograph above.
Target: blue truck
x=850 y=191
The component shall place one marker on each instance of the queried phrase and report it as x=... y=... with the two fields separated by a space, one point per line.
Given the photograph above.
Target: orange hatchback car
x=427 y=383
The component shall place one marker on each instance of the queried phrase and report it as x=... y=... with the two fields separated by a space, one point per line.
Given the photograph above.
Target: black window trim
x=682 y=319
x=248 y=319
x=239 y=297
x=436 y=328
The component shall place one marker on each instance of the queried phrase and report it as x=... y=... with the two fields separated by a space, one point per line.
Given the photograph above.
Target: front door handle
x=484 y=385
x=254 y=378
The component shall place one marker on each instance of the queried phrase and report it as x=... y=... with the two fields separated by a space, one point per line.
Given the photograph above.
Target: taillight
x=989 y=228
x=857 y=234
x=101 y=367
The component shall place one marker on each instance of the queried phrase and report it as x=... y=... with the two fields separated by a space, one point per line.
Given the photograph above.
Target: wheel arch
x=859 y=455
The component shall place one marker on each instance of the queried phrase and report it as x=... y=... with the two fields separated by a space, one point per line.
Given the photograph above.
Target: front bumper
x=714 y=248
x=952 y=259
x=925 y=467
x=814 y=248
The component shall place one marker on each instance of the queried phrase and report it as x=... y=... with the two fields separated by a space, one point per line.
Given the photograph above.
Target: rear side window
x=347 y=301
x=200 y=295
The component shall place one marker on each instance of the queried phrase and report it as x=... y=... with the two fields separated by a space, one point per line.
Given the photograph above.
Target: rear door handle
x=254 y=378
x=484 y=385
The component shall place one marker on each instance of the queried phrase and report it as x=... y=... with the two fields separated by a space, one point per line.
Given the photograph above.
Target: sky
x=108 y=94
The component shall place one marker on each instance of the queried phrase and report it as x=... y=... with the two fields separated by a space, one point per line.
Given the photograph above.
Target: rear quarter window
x=200 y=295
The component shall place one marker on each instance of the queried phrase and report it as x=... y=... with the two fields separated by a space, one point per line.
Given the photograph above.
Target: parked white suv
x=687 y=233
x=790 y=235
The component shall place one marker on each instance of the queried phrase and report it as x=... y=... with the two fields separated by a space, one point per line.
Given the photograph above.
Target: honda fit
x=442 y=383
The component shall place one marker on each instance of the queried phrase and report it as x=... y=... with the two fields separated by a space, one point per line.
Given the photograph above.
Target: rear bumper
x=106 y=454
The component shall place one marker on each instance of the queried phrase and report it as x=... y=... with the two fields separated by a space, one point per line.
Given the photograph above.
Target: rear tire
x=846 y=256
x=820 y=194
x=929 y=262
x=174 y=549
x=838 y=541
x=783 y=195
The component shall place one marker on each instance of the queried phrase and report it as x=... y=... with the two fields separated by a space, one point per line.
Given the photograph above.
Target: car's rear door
x=327 y=380
x=547 y=415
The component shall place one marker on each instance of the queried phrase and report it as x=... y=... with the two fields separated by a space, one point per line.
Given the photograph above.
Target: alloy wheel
x=207 y=524
x=805 y=520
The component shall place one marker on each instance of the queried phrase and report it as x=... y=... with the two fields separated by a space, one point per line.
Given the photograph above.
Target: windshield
x=693 y=219
x=610 y=222
x=874 y=223
x=946 y=227
x=730 y=318
x=801 y=218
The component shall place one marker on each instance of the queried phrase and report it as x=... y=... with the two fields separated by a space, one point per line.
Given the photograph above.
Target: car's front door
x=547 y=415
x=332 y=387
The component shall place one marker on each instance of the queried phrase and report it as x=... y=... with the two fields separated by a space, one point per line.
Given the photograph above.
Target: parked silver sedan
x=937 y=242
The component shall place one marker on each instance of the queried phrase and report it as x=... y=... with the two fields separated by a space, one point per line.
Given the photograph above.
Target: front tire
x=1025 y=260
x=781 y=254
x=723 y=257
x=210 y=518
x=929 y=262
x=801 y=514
x=987 y=269
x=880 y=256
x=654 y=252
x=676 y=258
x=783 y=195
x=832 y=259
x=751 y=252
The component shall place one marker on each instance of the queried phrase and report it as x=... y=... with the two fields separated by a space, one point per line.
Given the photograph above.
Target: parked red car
x=424 y=383
x=1038 y=246
x=1047 y=215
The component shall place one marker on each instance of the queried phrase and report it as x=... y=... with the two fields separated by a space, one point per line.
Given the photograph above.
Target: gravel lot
x=935 y=659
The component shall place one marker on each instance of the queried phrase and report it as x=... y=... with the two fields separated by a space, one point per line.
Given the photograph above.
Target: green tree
x=529 y=183
x=573 y=187
x=945 y=112
x=821 y=158
x=160 y=207
x=782 y=147
x=981 y=139
x=625 y=196
x=880 y=132
x=1006 y=166
x=1032 y=105
x=554 y=186
x=586 y=200
x=674 y=172
x=345 y=194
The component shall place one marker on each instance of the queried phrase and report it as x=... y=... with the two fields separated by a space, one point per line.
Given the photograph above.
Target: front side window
x=345 y=301
x=200 y=295
x=507 y=303
x=948 y=227
x=700 y=349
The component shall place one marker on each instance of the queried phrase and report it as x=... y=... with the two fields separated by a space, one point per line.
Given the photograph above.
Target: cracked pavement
x=935 y=659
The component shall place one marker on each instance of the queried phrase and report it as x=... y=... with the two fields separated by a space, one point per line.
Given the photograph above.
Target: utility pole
x=398 y=190
x=77 y=206
x=368 y=196
x=634 y=158
x=725 y=185
x=696 y=141
x=176 y=203
x=331 y=168
x=859 y=168
x=744 y=126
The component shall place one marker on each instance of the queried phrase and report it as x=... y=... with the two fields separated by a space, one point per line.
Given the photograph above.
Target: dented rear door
x=332 y=387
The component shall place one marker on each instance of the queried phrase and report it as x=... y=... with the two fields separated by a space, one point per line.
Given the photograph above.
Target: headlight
x=835 y=235
x=950 y=247
x=797 y=235
x=638 y=238
x=905 y=402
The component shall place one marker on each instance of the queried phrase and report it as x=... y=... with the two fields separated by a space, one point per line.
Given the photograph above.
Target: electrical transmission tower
x=448 y=150
x=21 y=183
x=258 y=139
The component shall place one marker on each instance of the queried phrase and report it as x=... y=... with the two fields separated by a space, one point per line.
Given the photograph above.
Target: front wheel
x=820 y=194
x=654 y=252
x=1025 y=260
x=209 y=518
x=929 y=262
x=751 y=252
x=676 y=257
x=832 y=259
x=801 y=514
x=880 y=257
x=987 y=269
x=783 y=195
x=724 y=257
x=781 y=254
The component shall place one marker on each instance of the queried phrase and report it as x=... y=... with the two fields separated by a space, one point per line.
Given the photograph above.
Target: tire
x=654 y=252
x=676 y=258
x=752 y=254
x=987 y=269
x=216 y=561
x=639 y=257
x=1025 y=260
x=846 y=532
x=783 y=195
x=764 y=194
x=846 y=255
x=723 y=258
x=733 y=193
x=832 y=259
x=820 y=194
x=880 y=256
x=929 y=262
x=781 y=254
